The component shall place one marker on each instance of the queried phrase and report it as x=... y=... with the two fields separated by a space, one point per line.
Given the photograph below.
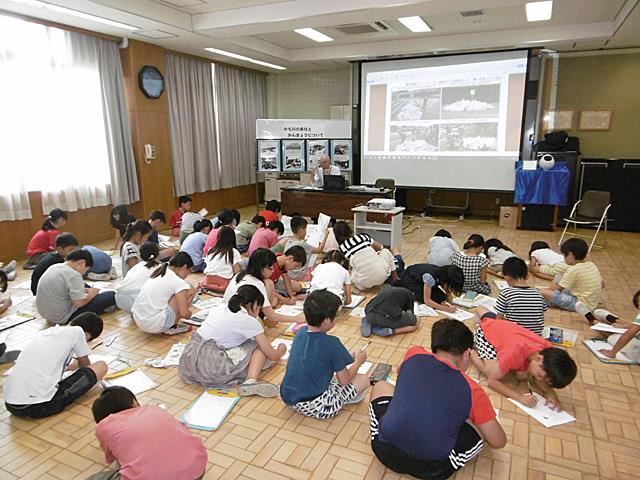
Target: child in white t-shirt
x=129 y=288
x=165 y=298
x=230 y=347
x=222 y=262
x=135 y=235
x=333 y=275
x=545 y=262
x=497 y=252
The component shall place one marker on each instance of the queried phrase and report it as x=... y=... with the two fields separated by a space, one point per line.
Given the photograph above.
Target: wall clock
x=151 y=81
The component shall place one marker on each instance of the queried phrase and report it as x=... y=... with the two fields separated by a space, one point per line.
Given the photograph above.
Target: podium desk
x=311 y=201
x=388 y=234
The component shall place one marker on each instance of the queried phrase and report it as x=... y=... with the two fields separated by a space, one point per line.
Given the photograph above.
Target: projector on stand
x=381 y=203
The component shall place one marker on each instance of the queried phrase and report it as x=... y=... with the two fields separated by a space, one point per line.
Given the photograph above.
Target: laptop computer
x=334 y=182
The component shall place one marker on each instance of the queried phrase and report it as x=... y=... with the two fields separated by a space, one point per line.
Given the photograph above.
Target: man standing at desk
x=325 y=168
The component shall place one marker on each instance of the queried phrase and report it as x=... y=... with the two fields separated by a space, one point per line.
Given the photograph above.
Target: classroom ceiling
x=263 y=29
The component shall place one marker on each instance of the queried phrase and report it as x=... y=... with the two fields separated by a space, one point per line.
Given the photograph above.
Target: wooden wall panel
x=213 y=201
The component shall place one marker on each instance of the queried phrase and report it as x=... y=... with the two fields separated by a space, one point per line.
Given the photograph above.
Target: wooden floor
x=264 y=439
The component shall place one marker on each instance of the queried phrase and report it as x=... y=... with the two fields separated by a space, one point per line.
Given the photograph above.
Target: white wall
x=307 y=94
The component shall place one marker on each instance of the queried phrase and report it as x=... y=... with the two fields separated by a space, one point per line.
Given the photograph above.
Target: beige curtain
x=241 y=98
x=192 y=125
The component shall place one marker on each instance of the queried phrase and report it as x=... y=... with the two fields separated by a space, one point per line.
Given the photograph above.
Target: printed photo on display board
x=315 y=148
x=341 y=154
x=268 y=155
x=293 y=155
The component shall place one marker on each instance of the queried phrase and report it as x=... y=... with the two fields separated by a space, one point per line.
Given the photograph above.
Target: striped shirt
x=585 y=283
x=523 y=305
x=355 y=243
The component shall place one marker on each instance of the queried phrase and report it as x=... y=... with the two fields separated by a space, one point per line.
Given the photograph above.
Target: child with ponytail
x=44 y=240
x=231 y=348
x=135 y=235
x=222 y=263
x=165 y=298
x=129 y=288
x=473 y=265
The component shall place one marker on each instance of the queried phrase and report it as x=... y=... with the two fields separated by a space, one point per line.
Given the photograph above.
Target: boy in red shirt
x=175 y=220
x=146 y=441
x=292 y=259
x=270 y=212
x=502 y=346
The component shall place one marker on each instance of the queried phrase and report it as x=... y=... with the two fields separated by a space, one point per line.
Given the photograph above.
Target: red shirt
x=44 y=241
x=513 y=343
x=148 y=443
x=263 y=238
x=175 y=220
x=277 y=270
x=269 y=216
x=212 y=239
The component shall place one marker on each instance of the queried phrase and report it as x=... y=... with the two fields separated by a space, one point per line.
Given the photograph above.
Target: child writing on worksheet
x=333 y=274
x=473 y=265
x=44 y=240
x=135 y=235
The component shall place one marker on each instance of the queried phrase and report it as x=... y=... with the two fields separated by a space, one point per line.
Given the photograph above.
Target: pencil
x=363 y=348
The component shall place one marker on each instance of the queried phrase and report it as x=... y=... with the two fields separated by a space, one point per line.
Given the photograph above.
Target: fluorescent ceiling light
x=313 y=34
x=539 y=11
x=415 y=24
x=246 y=59
x=75 y=13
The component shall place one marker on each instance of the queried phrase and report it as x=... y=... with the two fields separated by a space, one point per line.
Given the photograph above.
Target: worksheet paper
x=544 y=414
x=355 y=301
x=458 y=315
x=288 y=310
x=501 y=284
x=422 y=310
x=135 y=381
x=364 y=368
x=209 y=411
x=284 y=341
x=596 y=345
x=358 y=312
x=603 y=327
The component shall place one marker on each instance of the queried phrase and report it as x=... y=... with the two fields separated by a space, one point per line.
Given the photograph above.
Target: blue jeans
x=98 y=304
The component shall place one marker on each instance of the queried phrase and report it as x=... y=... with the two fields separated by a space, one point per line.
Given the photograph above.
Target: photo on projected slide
x=415 y=139
x=469 y=137
x=473 y=101
x=293 y=153
x=421 y=104
x=268 y=155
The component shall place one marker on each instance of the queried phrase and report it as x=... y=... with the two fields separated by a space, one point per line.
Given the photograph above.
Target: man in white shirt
x=35 y=388
x=325 y=168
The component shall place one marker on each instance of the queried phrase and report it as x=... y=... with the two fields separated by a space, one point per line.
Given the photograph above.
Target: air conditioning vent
x=472 y=13
x=362 y=28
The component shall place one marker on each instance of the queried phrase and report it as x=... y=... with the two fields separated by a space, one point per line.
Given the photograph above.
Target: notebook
x=422 y=310
x=597 y=344
x=544 y=414
x=136 y=381
x=209 y=410
x=355 y=301
x=603 y=327
x=569 y=337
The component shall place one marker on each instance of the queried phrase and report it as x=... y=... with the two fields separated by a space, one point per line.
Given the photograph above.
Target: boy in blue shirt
x=309 y=385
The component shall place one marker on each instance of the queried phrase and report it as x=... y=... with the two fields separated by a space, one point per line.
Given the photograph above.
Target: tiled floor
x=263 y=439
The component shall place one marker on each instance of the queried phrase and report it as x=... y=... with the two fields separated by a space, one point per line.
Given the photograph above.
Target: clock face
x=151 y=81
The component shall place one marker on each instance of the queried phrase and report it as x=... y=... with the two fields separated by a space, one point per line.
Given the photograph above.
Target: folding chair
x=388 y=183
x=590 y=210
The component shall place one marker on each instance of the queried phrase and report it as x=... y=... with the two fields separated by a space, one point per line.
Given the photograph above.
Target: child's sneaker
x=382 y=331
x=98 y=277
x=9 y=267
x=357 y=399
x=605 y=315
x=365 y=327
x=11 y=276
x=254 y=387
x=178 y=329
x=113 y=273
x=583 y=310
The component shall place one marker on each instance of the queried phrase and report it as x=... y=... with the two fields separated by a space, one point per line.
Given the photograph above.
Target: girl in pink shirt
x=44 y=240
x=266 y=237
x=146 y=441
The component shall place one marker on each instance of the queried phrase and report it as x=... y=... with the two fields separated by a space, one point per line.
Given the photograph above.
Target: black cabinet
x=622 y=179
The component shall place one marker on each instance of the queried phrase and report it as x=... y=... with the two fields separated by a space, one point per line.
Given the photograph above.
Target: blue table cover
x=542 y=187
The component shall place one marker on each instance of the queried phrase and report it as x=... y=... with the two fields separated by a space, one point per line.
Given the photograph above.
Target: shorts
x=169 y=318
x=161 y=322
x=329 y=403
x=69 y=390
x=481 y=345
x=563 y=299
x=468 y=445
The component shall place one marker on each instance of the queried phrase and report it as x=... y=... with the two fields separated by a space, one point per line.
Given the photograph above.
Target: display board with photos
x=268 y=156
x=315 y=149
x=341 y=154
x=293 y=155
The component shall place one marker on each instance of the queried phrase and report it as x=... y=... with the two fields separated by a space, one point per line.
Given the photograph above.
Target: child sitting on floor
x=441 y=247
x=333 y=275
x=502 y=346
x=127 y=291
x=309 y=385
x=157 y=218
x=135 y=235
x=432 y=285
x=5 y=302
x=245 y=230
x=138 y=438
x=544 y=262
x=271 y=210
x=102 y=268
x=230 y=348
x=225 y=218
x=195 y=242
x=473 y=265
x=222 y=262
x=44 y=239
x=165 y=298
x=497 y=252
x=519 y=302
x=266 y=237
x=579 y=288
x=175 y=220
x=628 y=342
x=119 y=218
x=35 y=388
x=390 y=312
x=292 y=259
x=65 y=244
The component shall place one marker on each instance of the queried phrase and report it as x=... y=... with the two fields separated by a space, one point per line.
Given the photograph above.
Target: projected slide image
x=474 y=137
x=413 y=138
x=415 y=104
x=473 y=101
